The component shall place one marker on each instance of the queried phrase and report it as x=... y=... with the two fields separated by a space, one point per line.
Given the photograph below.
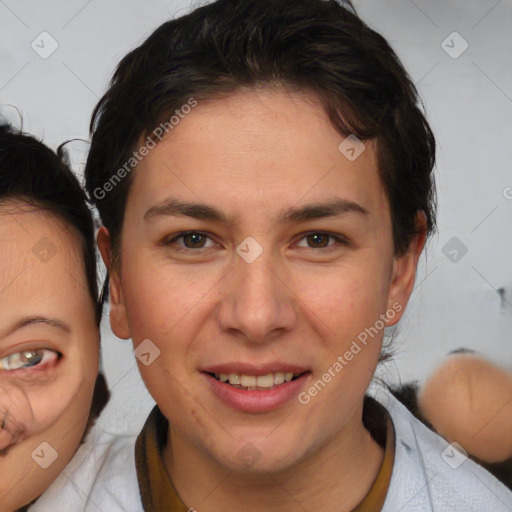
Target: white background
x=468 y=102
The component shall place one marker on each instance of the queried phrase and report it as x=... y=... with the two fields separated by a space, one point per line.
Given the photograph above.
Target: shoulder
x=430 y=474
x=101 y=476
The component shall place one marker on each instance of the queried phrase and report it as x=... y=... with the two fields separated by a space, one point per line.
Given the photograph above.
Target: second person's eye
x=28 y=359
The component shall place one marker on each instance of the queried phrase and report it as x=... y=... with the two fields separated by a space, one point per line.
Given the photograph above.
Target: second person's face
x=49 y=345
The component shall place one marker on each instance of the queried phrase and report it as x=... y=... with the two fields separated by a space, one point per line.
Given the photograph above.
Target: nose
x=257 y=304
x=15 y=414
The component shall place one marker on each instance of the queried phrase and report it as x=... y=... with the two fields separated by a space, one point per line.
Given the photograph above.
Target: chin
x=259 y=456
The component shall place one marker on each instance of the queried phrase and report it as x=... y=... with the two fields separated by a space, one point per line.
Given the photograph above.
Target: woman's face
x=290 y=261
x=49 y=346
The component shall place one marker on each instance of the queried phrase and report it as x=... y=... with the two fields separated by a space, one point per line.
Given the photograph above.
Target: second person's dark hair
x=31 y=172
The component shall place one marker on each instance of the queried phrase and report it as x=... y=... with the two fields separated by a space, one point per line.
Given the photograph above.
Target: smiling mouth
x=256 y=382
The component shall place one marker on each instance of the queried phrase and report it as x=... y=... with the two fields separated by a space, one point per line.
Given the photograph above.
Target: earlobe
x=404 y=270
x=118 y=318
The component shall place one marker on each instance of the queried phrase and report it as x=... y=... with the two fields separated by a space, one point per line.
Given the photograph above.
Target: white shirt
x=101 y=477
x=429 y=475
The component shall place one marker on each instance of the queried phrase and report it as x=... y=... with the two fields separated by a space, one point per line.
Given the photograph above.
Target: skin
x=48 y=402
x=469 y=400
x=253 y=155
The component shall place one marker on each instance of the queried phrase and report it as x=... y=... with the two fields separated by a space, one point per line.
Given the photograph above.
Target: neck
x=335 y=478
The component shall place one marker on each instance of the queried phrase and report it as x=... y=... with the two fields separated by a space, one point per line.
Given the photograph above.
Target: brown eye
x=317 y=240
x=194 y=240
x=322 y=240
x=187 y=241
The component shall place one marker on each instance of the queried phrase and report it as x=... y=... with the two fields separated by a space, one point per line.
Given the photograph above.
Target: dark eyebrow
x=37 y=320
x=332 y=208
x=195 y=210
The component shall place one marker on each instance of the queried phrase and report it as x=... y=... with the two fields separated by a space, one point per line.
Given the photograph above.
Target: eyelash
x=339 y=240
x=43 y=364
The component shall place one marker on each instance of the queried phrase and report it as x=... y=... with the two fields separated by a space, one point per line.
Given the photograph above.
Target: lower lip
x=257 y=401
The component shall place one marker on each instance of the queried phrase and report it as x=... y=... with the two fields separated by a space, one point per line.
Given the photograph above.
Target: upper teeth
x=261 y=381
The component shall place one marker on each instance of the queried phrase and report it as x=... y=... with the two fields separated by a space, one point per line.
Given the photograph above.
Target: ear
x=118 y=318
x=404 y=271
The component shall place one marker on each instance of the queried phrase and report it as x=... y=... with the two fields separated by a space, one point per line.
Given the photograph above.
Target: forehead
x=42 y=263
x=256 y=150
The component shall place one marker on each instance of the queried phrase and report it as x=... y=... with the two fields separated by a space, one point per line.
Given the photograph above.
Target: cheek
x=345 y=300
x=159 y=298
x=169 y=306
x=50 y=402
x=70 y=393
x=346 y=309
x=22 y=479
